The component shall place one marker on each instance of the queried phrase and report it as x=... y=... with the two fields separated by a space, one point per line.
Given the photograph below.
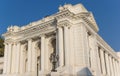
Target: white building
x=71 y=33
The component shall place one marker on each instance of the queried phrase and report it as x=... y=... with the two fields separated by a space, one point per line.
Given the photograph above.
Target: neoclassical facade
x=63 y=44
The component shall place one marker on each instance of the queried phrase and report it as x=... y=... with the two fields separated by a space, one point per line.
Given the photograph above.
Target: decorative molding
x=106 y=47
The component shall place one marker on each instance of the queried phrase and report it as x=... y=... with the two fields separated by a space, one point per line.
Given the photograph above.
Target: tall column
x=102 y=61
x=99 y=60
x=118 y=67
x=72 y=53
x=13 y=58
x=29 y=55
x=114 y=65
x=118 y=73
x=17 y=63
x=34 y=57
x=111 y=67
x=66 y=45
x=60 y=46
x=107 y=64
x=46 y=55
x=42 y=52
x=9 y=58
x=5 y=58
x=22 y=59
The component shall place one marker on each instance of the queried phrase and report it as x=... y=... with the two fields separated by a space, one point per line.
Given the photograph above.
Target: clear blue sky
x=22 y=12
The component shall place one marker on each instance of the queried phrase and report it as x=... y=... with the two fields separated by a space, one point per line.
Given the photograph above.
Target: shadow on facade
x=84 y=72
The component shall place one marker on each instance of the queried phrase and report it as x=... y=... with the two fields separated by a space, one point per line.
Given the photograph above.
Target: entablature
x=106 y=47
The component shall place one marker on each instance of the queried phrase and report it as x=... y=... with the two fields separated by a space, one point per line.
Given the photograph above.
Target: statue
x=54 y=59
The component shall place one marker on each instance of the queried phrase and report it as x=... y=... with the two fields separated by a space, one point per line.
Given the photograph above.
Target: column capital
x=14 y=43
x=101 y=49
x=19 y=42
x=59 y=26
x=5 y=43
x=42 y=35
x=64 y=23
x=29 y=39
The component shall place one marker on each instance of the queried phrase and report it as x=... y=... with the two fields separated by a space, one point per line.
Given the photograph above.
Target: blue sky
x=22 y=12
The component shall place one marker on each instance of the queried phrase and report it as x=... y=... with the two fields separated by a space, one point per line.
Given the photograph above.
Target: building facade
x=63 y=44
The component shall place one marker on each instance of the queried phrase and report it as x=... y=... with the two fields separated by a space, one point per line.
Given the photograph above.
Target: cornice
x=35 y=34
x=105 y=46
x=85 y=16
x=64 y=14
x=37 y=27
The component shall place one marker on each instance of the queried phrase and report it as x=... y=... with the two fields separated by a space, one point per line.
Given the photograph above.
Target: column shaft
x=5 y=58
x=42 y=53
x=118 y=67
x=60 y=46
x=9 y=58
x=13 y=58
x=117 y=73
x=34 y=57
x=66 y=45
x=22 y=59
x=47 y=56
x=102 y=61
x=107 y=64
x=99 y=61
x=111 y=67
x=17 y=63
x=29 y=55
x=114 y=67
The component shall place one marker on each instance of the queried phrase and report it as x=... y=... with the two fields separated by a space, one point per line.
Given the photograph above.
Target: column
x=111 y=67
x=99 y=61
x=47 y=56
x=118 y=64
x=5 y=58
x=42 y=53
x=107 y=64
x=66 y=45
x=114 y=65
x=9 y=58
x=60 y=46
x=102 y=61
x=22 y=59
x=117 y=72
x=29 y=55
x=13 y=58
x=34 y=57
x=17 y=63
x=72 y=53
